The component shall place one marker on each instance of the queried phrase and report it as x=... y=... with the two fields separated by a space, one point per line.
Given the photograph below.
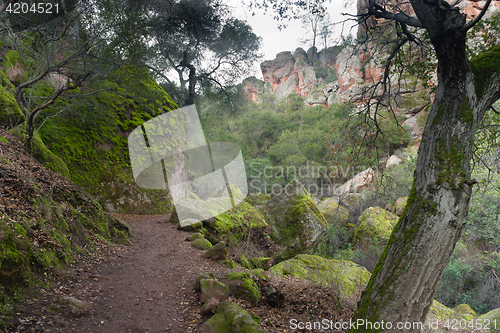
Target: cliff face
x=353 y=72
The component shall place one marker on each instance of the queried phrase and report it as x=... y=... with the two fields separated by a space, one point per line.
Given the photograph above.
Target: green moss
x=4 y=140
x=349 y=277
x=484 y=67
x=241 y=284
x=228 y=263
x=10 y=113
x=91 y=138
x=232 y=318
x=295 y=219
x=493 y=318
x=374 y=223
x=260 y=274
x=234 y=225
x=201 y=244
x=333 y=212
x=244 y=262
x=195 y=236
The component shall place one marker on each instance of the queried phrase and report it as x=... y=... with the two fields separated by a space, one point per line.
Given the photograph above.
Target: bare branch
x=478 y=18
x=380 y=12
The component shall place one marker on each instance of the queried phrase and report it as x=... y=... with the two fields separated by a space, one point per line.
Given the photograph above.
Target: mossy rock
x=201 y=244
x=229 y=263
x=349 y=277
x=295 y=219
x=374 y=225
x=243 y=261
x=259 y=262
x=210 y=288
x=203 y=276
x=194 y=236
x=493 y=317
x=234 y=225
x=217 y=252
x=333 y=212
x=231 y=318
x=260 y=274
x=10 y=113
x=241 y=285
x=440 y=313
x=400 y=205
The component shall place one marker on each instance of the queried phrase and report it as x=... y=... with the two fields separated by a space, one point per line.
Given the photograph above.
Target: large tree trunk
x=405 y=279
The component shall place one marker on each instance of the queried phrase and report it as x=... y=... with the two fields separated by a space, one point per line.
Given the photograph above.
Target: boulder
x=231 y=318
x=203 y=276
x=241 y=285
x=393 y=161
x=74 y=307
x=295 y=219
x=348 y=276
x=375 y=223
x=400 y=205
x=439 y=315
x=217 y=252
x=234 y=224
x=493 y=318
x=213 y=289
x=194 y=236
x=333 y=212
x=201 y=244
x=209 y=306
x=358 y=183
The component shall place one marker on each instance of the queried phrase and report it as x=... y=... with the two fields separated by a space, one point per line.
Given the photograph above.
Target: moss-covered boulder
x=235 y=224
x=493 y=318
x=10 y=113
x=217 y=252
x=241 y=285
x=201 y=244
x=91 y=136
x=231 y=318
x=440 y=314
x=400 y=205
x=210 y=288
x=260 y=274
x=347 y=276
x=194 y=236
x=374 y=225
x=333 y=212
x=295 y=219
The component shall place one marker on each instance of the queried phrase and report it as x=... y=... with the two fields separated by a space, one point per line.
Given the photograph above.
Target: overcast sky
x=288 y=39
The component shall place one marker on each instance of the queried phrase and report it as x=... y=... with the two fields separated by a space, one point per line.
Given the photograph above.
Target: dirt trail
x=146 y=287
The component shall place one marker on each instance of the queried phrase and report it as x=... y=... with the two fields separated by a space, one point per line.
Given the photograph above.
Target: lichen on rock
x=349 y=277
x=374 y=225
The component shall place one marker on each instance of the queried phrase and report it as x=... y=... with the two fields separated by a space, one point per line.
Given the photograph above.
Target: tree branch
x=478 y=18
x=380 y=12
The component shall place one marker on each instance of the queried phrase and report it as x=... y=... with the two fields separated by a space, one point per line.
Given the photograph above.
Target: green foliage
x=483 y=221
x=471 y=277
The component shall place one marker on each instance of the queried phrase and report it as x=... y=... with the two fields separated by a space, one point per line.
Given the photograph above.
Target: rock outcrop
x=295 y=219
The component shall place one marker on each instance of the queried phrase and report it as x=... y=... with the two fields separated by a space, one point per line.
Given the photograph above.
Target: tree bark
x=405 y=279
